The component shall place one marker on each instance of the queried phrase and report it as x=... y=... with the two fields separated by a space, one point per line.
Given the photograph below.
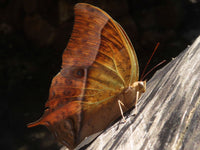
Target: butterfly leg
x=137 y=97
x=120 y=108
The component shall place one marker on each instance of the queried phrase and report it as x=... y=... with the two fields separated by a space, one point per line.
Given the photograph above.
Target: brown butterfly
x=99 y=70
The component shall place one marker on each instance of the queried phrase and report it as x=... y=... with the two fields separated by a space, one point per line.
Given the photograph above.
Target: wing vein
x=116 y=68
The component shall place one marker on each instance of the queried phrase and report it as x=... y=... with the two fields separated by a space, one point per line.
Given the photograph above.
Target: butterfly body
x=99 y=68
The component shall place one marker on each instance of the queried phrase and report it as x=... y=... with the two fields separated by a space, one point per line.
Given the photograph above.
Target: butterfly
x=99 y=73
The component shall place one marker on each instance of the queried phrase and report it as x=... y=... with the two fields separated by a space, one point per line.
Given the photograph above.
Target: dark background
x=34 y=34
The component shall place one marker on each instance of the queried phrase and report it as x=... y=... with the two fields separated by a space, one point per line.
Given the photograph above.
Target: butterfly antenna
x=153 y=69
x=142 y=76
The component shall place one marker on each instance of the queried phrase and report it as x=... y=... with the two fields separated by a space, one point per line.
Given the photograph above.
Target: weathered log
x=168 y=115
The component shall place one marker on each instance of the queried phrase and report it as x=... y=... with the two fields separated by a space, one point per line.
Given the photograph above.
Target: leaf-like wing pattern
x=98 y=63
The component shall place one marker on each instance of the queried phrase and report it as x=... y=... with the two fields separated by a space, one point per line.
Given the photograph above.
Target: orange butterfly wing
x=99 y=62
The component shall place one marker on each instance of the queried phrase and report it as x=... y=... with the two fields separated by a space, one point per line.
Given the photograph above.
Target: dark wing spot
x=78 y=73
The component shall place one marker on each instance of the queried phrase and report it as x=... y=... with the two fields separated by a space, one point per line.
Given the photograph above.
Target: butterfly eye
x=79 y=73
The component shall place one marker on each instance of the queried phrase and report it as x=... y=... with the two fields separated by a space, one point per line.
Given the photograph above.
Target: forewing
x=115 y=66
